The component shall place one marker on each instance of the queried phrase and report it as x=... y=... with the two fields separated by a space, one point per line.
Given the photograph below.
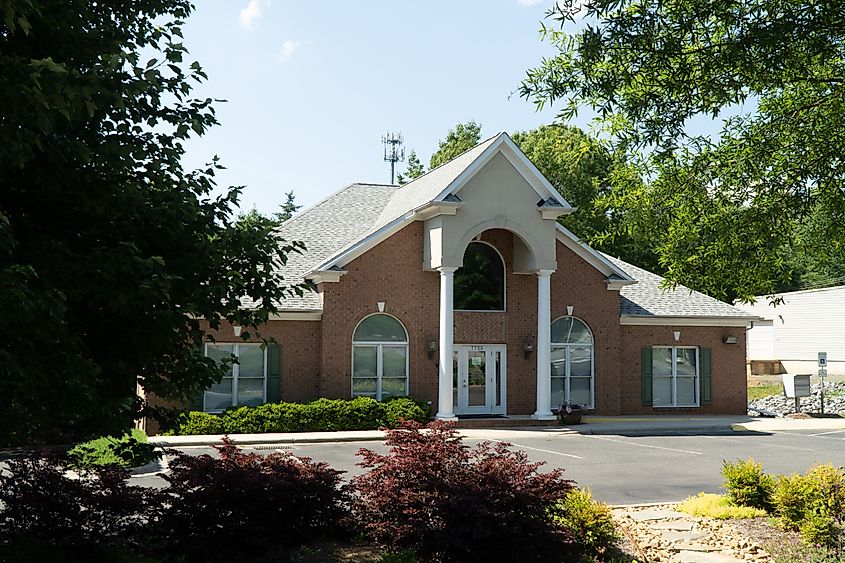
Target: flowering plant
x=568 y=407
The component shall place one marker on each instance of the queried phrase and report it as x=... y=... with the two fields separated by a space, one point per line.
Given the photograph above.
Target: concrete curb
x=254 y=439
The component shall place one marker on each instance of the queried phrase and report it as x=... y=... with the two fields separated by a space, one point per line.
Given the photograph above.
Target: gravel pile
x=834 y=401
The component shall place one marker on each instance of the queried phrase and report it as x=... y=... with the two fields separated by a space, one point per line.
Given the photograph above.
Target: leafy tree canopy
x=460 y=139
x=110 y=252
x=730 y=206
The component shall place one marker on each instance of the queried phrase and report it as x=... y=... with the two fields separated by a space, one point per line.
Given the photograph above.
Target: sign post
x=822 y=375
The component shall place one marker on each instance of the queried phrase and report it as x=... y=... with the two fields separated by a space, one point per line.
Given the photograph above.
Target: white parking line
x=641 y=445
x=826 y=433
x=735 y=441
x=541 y=450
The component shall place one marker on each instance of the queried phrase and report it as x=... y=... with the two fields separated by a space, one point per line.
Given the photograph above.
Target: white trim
x=592 y=256
x=504 y=308
x=379 y=346
x=567 y=369
x=616 y=285
x=236 y=347
x=325 y=276
x=674 y=376
x=504 y=144
x=633 y=320
x=555 y=212
x=297 y=316
x=462 y=406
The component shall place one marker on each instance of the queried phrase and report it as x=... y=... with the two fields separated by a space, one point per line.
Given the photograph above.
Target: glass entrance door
x=480 y=379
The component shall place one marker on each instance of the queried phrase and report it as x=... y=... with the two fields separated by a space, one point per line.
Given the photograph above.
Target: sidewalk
x=616 y=425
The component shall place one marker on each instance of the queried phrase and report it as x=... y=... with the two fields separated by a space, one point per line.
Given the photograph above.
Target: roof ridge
x=456 y=157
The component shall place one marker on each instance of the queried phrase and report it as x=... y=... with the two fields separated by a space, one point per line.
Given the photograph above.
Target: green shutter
x=274 y=373
x=196 y=402
x=706 y=376
x=648 y=391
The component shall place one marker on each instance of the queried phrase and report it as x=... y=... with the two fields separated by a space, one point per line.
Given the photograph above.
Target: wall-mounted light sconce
x=730 y=340
x=569 y=309
x=237 y=330
x=431 y=348
x=380 y=306
x=528 y=346
x=677 y=335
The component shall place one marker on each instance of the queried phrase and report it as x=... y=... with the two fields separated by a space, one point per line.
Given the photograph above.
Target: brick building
x=462 y=288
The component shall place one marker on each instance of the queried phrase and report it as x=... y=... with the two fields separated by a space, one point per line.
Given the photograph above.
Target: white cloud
x=249 y=14
x=289 y=47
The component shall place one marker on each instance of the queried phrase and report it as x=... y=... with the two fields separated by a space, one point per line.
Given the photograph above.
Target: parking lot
x=626 y=469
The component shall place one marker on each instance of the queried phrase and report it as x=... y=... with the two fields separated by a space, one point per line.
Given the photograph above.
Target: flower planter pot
x=573 y=417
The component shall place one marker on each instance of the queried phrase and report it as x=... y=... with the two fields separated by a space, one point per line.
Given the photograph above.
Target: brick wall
x=728 y=384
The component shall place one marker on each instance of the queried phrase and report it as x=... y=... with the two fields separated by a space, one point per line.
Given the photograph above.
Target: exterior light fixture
x=730 y=340
x=431 y=348
x=528 y=346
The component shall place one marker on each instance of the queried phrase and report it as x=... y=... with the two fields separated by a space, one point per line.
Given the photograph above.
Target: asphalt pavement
x=625 y=467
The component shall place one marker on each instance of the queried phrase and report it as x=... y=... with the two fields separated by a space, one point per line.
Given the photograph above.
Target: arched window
x=572 y=362
x=480 y=282
x=379 y=358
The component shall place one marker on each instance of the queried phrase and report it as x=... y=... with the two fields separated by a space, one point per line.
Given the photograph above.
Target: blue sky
x=312 y=86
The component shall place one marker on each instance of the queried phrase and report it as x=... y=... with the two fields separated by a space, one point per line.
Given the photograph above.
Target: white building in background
x=796 y=330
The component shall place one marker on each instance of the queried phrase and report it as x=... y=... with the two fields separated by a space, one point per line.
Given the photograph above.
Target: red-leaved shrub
x=243 y=503
x=41 y=505
x=448 y=502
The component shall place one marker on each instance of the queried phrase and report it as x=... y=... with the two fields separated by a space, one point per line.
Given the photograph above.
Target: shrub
x=130 y=450
x=196 y=423
x=717 y=506
x=242 y=502
x=405 y=408
x=747 y=485
x=322 y=415
x=40 y=505
x=590 y=522
x=813 y=504
x=433 y=495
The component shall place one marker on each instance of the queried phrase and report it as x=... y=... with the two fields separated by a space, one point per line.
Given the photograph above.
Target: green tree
x=110 y=252
x=584 y=172
x=458 y=140
x=288 y=208
x=413 y=170
x=772 y=76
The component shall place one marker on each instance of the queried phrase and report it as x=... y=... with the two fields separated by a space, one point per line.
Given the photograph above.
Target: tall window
x=675 y=376
x=480 y=282
x=379 y=358
x=246 y=381
x=572 y=362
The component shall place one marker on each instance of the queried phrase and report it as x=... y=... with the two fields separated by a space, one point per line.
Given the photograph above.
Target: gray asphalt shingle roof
x=647 y=298
x=359 y=210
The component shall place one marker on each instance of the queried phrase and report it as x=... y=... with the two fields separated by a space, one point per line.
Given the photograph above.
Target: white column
x=445 y=408
x=544 y=346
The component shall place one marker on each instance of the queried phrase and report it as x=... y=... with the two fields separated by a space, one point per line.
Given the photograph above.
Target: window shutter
x=196 y=401
x=274 y=373
x=648 y=391
x=706 y=376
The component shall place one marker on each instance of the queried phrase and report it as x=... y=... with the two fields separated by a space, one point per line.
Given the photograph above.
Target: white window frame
x=504 y=308
x=379 y=345
x=567 y=369
x=236 y=347
x=674 y=377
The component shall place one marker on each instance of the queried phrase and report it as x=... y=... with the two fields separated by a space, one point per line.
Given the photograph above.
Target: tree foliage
x=458 y=140
x=110 y=252
x=586 y=173
x=730 y=203
x=413 y=170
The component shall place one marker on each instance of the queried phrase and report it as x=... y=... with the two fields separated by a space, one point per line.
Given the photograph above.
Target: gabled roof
x=647 y=298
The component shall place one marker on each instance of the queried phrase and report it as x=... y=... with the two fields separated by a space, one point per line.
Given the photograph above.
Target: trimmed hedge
x=322 y=415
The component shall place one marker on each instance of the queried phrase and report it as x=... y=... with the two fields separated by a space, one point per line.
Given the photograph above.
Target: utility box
x=795 y=386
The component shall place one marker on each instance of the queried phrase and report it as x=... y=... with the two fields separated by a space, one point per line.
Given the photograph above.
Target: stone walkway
x=662 y=534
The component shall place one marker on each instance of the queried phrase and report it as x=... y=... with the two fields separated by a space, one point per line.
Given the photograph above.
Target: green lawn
x=760 y=391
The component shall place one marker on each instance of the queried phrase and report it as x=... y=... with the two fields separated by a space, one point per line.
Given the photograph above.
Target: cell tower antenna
x=393 y=151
